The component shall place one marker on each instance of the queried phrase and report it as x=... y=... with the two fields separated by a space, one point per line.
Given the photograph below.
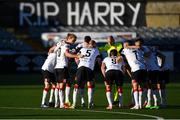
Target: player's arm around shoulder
x=69 y=55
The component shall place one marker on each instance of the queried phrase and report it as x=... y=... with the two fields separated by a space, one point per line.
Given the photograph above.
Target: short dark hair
x=113 y=52
x=139 y=40
x=87 y=39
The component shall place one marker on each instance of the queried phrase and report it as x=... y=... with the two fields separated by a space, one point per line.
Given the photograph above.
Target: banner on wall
x=23 y=13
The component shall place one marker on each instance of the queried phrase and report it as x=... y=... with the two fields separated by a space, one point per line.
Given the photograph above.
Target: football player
x=85 y=72
x=112 y=71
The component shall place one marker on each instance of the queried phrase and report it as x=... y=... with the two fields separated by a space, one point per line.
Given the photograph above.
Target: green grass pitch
x=20 y=101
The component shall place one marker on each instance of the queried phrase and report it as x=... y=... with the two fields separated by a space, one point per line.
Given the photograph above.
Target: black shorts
x=114 y=75
x=83 y=75
x=61 y=74
x=140 y=76
x=49 y=76
x=164 y=76
x=153 y=77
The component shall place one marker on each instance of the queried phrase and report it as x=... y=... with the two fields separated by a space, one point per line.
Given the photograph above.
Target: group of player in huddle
x=145 y=65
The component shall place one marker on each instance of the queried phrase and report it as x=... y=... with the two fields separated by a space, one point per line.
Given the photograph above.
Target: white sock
x=61 y=97
x=67 y=93
x=75 y=92
x=90 y=95
x=109 y=98
x=56 y=96
x=135 y=93
x=120 y=99
x=149 y=97
x=82 y=95
x=160 y=96
x=145 y=94
x=140 y=99
x=51 y=95
x=155 y=94
x=45 y=91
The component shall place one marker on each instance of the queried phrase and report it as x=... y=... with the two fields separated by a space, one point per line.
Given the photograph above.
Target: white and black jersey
x=48 y=68
x=61 y=59
x=111 y=64
x=49 y=63
x=89 y=58
x=113 y=71
x=135 y=58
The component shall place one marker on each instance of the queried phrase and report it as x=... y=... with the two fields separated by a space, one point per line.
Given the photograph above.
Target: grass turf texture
x=23 y=101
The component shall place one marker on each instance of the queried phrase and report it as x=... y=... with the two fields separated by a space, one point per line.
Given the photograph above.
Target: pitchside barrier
x=31 y=62
x=18 y=62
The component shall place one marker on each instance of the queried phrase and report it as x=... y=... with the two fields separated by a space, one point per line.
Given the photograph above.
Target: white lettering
x=74 y=13
x=115 y=15
x=86 y=13
x=136 y=11
x=26 y=16
x=48 y=13
x=99 y=15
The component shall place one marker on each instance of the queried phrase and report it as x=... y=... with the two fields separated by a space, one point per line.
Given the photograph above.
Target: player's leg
x=109 y=97
x=89 y=76
x=135 y=94
x=155 y=93
x=46 y=88
x=56 y=92
x=116 y=95
x=81 y=91
x=45 y=91
x=53 y=86
x=67 y=94
x=77 y=83
x=90 y=94
x=135 y=90
x=75 y=93
x=163 y=80
x=163 y=94
x=140 y=91
x=51 y=102
x=119 y=83
x=148 y=105
x=61 y=79
x=56 y=95
x=109 y=82
x=61 y=93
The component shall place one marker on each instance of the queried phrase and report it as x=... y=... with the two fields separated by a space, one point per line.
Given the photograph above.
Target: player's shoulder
x=107 y=58
x=146 y=48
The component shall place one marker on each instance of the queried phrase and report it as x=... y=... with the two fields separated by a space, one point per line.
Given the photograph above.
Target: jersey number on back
x=113 y=61
x=88 y=53
x=59 y=52
x=135 y=52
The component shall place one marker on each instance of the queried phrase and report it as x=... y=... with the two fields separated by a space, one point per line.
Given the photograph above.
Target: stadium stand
x=10 y=43
x=151 y=35
x=157 y=35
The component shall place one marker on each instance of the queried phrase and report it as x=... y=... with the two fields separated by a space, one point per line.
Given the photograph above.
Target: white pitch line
x=95 y=111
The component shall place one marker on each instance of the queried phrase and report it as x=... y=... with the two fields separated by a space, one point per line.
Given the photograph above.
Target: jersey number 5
x=88 y=53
